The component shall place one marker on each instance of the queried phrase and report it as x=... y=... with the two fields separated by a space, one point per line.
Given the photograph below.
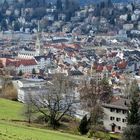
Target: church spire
x=37 y=45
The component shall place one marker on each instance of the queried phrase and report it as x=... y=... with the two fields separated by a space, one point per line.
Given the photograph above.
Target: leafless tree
x=92 y=94
x=58 y=100
x=29 y=111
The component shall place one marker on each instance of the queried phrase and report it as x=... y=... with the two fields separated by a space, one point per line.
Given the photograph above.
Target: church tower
x=38 y=44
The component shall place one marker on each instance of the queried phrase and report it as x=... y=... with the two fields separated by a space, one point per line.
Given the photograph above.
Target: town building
x=115 y=115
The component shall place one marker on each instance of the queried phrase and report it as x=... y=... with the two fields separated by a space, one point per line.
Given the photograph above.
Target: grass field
x=10 y=131
x=10 y=110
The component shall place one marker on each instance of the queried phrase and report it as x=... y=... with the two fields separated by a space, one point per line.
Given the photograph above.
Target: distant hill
x=10 y=1
x=84 y=2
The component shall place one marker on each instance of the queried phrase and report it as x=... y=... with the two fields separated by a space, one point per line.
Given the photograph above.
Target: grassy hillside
x=10 y=110
x=10 y=131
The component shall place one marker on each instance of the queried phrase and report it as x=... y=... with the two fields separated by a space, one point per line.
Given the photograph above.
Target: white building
x=26 y=65
x=42 y=61
x=128 y=27
x=123 y=17
x=29 y=87
x=115 y=115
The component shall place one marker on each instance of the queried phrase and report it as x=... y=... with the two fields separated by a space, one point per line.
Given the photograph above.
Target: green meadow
x=9 y=130
x=10 y=110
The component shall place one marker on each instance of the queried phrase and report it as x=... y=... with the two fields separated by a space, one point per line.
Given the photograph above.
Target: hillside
x=83 y=2
x=10 y=110
x=9 y=130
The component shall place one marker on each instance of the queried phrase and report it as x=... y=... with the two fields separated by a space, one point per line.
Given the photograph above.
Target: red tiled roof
x=122 y=64
x=99 y=68
x=17 y=63
x=112 y=54
x=109 y=67
x=26 y=62
x=1 y=64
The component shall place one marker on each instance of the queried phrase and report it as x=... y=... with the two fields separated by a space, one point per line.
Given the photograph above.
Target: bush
x=132 y=132
x=8 y=91
x=102 y=135
x=98 y=134
x=66 y=119
x=90 y=134
x=42 y=119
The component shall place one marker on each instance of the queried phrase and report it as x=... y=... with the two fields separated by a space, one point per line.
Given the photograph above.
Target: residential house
x=115 y=115
x=42 y=61
x=128 y=27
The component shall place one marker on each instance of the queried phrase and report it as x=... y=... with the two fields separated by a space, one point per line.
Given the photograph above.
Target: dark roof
x=59 y=40
x=38 y=58
x=27 y=49
x=120 y=103
x=76 y=73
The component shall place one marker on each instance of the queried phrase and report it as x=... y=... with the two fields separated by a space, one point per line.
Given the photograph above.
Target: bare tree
x=29 y=111
x=92 y=94
x=58 y=101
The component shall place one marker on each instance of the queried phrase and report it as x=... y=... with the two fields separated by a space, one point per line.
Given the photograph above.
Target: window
x=118 y=119
x=118 y=110
x=119 y=128
x=112 y=110
x=123 y=120
x=112 y=118
x=124 y=111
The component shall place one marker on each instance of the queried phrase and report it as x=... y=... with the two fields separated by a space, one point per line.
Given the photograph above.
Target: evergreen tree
x=67 y=3
x=133 y=6
x=97 y=11
x=20 y=73
x=133 y=119
x=4 y=26
x=132 y=132
x=112 y=21
x=33 y=71
x=5 y=6
x=16 y=26
x=102 y=5
x=129 y=17
x=83 y=127
x=59 y=5
x=109 y=3
x=134 y=89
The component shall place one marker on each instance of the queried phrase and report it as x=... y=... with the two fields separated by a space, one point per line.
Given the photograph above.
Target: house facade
x=24 y=65
x=115 y=115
